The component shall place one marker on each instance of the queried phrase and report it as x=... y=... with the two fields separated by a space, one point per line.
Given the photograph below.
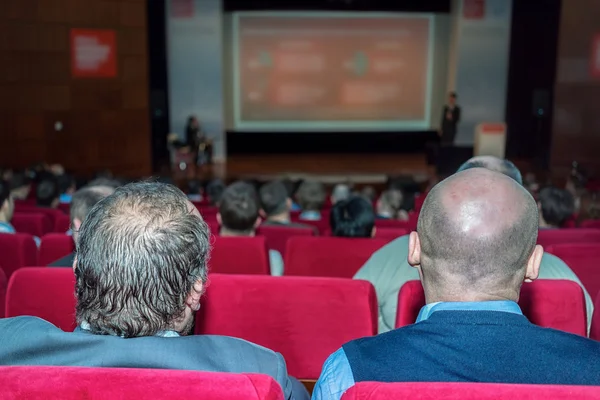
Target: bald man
x=388 y=268
x=471 y=329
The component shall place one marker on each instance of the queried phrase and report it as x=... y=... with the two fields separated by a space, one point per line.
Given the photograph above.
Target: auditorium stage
x=360 y=169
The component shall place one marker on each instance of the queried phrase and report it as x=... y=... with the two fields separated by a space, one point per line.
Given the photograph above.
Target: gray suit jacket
x=33 y=341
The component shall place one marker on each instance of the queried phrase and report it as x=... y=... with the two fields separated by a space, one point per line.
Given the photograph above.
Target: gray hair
x=84 y=199
x=495 y=164
x=139 y=253
x=340 y=192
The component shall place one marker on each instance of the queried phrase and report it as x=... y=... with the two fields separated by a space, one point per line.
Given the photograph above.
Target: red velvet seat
x=328 y=256
x=62 y=224
x=48 y=293
x=590 y=224
x=549 y=237
x=35 y=224
x=550 y=303
x=209 y=212
x=393 y=224
x=277 y=236
x=213 y=226
x=75 y=383
x=390 y=234
x=55 y=246
x=305 y=319
x=468 y=391
x=595 y=329
x=65 y=208
x=17 y=251
x=584 y=260
x=239 y=255
x=53 y=214
x=322 y=225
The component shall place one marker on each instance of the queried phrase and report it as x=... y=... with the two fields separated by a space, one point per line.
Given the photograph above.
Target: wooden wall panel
x=105 y=121
x=576 y=125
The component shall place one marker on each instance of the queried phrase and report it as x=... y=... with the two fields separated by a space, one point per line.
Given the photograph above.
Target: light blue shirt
x=310 y=215
x=5 y=227
x=336 y=376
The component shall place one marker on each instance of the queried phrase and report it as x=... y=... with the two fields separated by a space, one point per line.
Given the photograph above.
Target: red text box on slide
x=474 y=9
x=93 y=53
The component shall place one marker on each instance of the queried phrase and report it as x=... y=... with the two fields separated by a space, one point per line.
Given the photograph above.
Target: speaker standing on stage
x=450 y=119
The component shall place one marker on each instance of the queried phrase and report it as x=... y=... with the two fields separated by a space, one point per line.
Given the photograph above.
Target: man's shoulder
x=394 y=252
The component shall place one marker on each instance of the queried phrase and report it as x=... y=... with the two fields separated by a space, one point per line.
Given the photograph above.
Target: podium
x=490 y=139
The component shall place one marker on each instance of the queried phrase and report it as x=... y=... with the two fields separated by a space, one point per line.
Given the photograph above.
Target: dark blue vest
x=476 y=346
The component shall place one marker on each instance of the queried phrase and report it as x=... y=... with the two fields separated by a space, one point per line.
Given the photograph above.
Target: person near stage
x=197 y=140
x=450 y=119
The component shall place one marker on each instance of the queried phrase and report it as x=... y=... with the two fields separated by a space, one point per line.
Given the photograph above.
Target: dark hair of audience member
x=311 y=195
x=19 y=180
x=353 y=218
x=4 y=192
x=141 y=240
x=273 y=198
x=194 y=186
x=214 y=191
x=239 y=208
x=66 y=183
x=589 y=208
x=47 y=192
x=556 y=205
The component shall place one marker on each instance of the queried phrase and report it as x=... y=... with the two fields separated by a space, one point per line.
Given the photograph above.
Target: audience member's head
x=340 y=192
x=275 y=201
x=194 y=187
x=7 y=205
x=476 y=238
x=353 y=218
x=141 y=262
x=214 y=191
x=110 y=182
x=311 y=195
x=452 y=98
x=556 y=207
x=389 y=203
x=47 y=193
x=589 y=208
x=20 y=185
x=369 y=193
x=82 y=202
x=495 y=164
x=239 y=210
x=66 y=184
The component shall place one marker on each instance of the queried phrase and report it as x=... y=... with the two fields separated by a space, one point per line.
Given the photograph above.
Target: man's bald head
x=495 y=164
x=476 y=235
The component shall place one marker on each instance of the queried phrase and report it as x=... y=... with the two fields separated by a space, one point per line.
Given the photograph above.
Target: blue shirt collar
x=500 y=305
x=5 y=227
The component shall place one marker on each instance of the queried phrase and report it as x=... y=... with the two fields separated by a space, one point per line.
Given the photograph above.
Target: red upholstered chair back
x=549 y=237
x=322 y=225
x=17 y=251
x=35 y=224
x=390 y=234
x=62 y=224
x=51 y=213
x=305 y=319
x=393 y=224
x=591 y=224
x=48 y=293
x=209 y=212
x=328 y=256
x=65 y=208
x=584 y=260
x=74 y=383
x=239 y=255
x=467 y=391
x=595 y=329
x=277 y=236
x=55 y=246
x=550 y=303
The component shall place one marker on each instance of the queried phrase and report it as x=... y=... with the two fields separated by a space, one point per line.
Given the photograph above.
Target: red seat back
x=55 y=246
x=239 y=255
x=390 y=234
x=590 y=224
x=35 y=224
x=62 y=224
x=74 y=383
x=595 y=329
x=550 y=303
x=584 y=260
x=393 y=224
x=277 y=236
x=328 y=256
x=65 y=208
x=467 y=391
x=549 y=237
x=208 y=212
x=48 y=293
x=305 y=319
x=17 y=251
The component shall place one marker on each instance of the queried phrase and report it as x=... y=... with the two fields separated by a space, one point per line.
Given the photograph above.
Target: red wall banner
x=93 y=53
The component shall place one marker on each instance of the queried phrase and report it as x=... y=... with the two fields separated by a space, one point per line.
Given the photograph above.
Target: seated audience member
x=291 y=188
x=388 y=269
x=146 y=238
x=239 y=215
x=47 y=193
x=556 y=207
x=340 y=192
x=589 y=209
x=369 y=193
x=352 y=218
x=7 y=208
x=20 y=185
x=195 y=190
x=81 y=204
x=66 y=187
x=311 y=197
x=214 y=191
x=471 y=328
x=389 y=205
x=277 y=205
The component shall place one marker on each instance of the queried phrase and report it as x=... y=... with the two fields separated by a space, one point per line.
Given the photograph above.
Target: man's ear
x=193 y=298
x=262 y=213
x=74 y=263
x=373 y=232
x=414 y=250
x=533 y=264
x=219 y=220
x=258 y=222
x=288 y=203
x=76 y=224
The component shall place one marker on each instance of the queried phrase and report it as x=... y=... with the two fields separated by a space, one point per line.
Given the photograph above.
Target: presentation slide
x=332 y=71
